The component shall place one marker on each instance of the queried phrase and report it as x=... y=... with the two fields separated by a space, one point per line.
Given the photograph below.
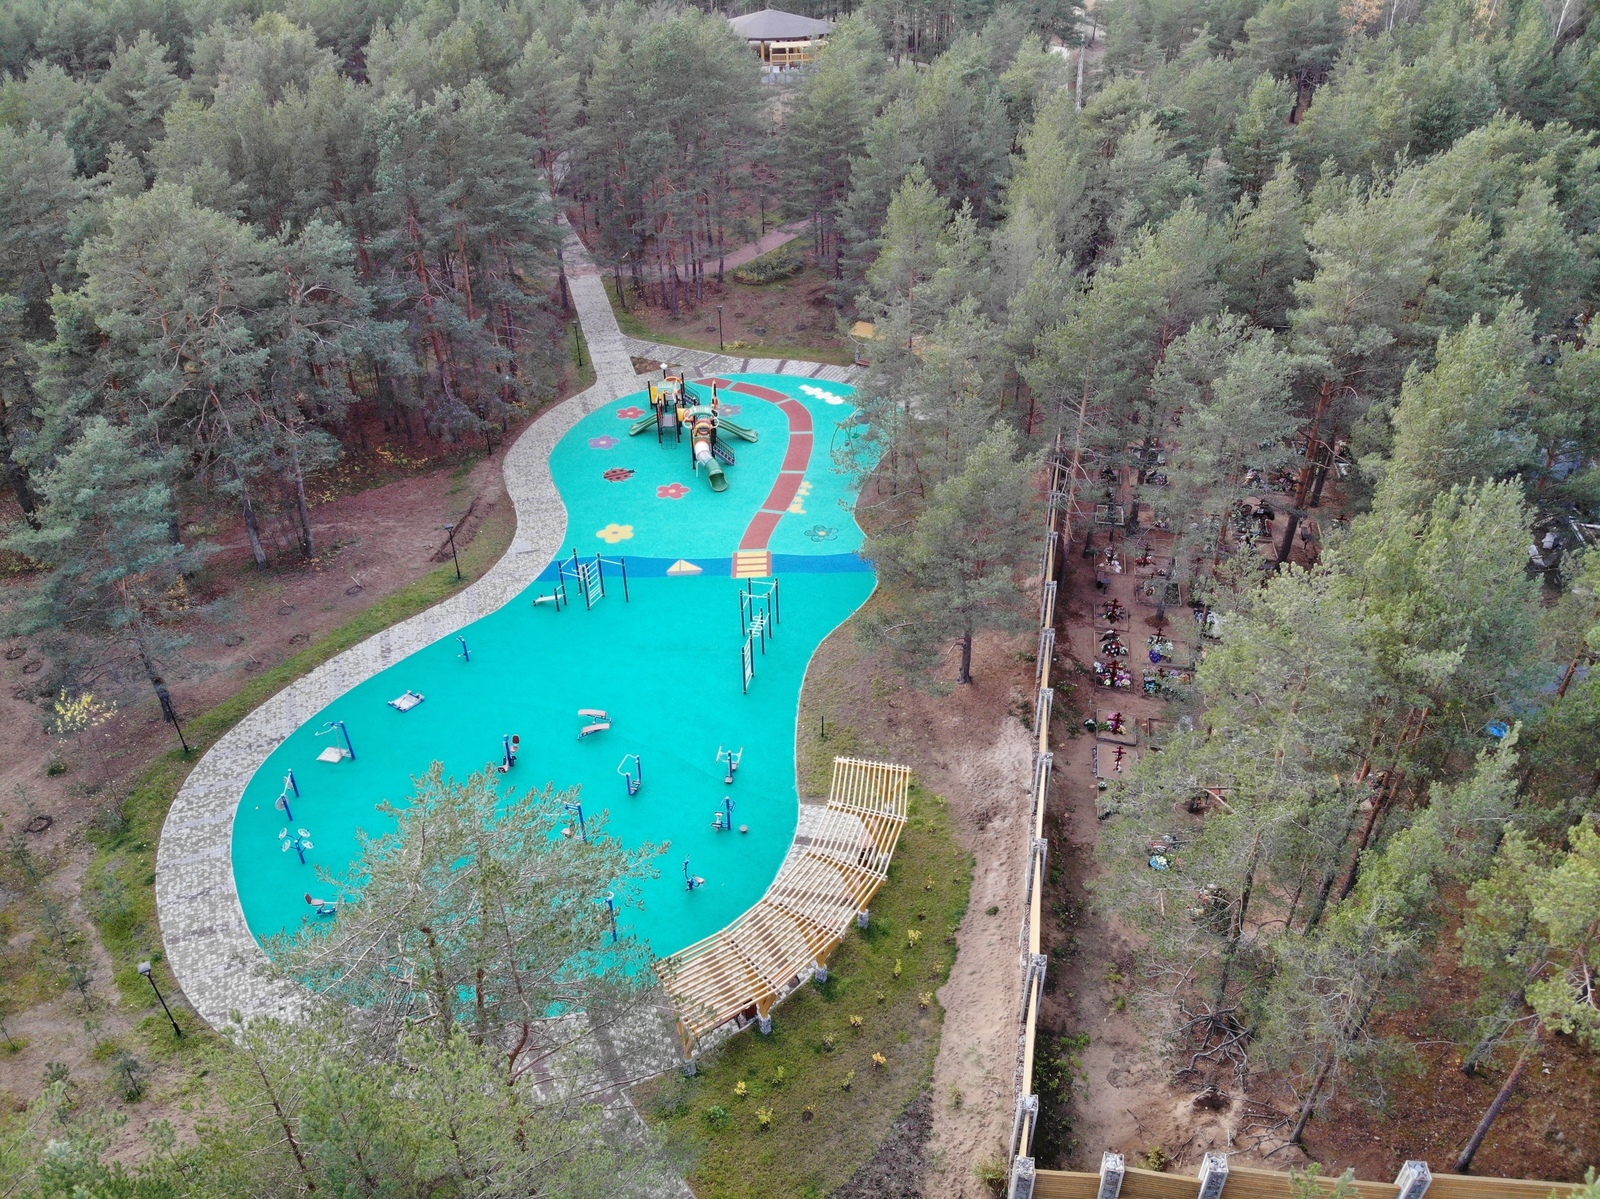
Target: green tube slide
x=715 y=476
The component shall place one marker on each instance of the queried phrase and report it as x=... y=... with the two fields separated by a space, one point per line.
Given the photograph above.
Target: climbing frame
x=747 y=968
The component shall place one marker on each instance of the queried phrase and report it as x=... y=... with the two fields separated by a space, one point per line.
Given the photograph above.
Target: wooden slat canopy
x=764 y=955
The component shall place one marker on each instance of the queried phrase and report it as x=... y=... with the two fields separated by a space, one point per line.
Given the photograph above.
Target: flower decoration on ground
x=614 y=533
x=604 y=442
x=629 y=413
x=730 y=409
x=819 y=393
x=671 y=491
x=618 y=474
x=822 y=533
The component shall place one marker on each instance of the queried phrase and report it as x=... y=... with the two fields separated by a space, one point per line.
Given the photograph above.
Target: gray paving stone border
x=703 y=363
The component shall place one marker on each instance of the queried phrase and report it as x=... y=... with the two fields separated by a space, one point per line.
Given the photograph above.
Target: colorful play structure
x=675 y=406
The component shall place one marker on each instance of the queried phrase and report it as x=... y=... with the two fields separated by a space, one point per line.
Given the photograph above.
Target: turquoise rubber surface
x=665 y=666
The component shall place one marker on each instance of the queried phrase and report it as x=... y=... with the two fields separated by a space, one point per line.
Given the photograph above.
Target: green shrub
x=782 y=263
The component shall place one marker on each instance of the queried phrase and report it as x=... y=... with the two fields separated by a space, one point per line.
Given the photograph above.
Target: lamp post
x=720 y=346
x=450 y=532
x=144 y=969
x=170 y=715
x=577 y=342
x=577 y=810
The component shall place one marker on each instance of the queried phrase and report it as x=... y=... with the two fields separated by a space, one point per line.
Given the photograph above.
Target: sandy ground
x=372 y=543
x=1126 y=1099
x=970 y=747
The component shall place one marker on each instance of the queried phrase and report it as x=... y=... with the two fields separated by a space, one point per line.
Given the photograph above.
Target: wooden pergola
x=746 y=969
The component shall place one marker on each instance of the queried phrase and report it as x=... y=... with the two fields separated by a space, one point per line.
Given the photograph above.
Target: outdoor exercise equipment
x=691 y=881
x=300 y=842
x=283 y=806
x=333 y=753
x=758 y=613
x=576 y=809
x=675 y=406
x=466 y=654
x=323 y=907
x=590 y=576
x=633 y=778
x=405 y=702
x=732 y=758
x=601 y=721
x=723 y=820
x=510 y=747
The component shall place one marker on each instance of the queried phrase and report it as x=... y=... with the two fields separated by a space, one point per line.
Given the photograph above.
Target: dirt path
x=969 y=747
x=373 y=543
x=1124 y=1099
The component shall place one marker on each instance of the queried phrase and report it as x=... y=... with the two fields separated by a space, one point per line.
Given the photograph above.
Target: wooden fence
x=1243 y=1183
x=1057 y=533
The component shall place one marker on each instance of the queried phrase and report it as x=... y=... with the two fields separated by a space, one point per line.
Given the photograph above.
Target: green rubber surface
x=665 y=665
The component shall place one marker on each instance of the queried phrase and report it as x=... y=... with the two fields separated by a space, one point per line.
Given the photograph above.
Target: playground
x=657 y=664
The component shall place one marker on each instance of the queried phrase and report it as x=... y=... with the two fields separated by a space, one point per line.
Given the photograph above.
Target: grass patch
x=632 y=326
x=119 y=886
x=815 y=1105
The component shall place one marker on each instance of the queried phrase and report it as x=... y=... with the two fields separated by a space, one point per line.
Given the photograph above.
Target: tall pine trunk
x=252 y=527
x=17 y=474
x=1507 y=1089
x=1236 y=925
x=308 y=541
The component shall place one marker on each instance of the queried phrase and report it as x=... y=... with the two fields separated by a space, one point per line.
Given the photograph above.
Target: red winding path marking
x=795 y=461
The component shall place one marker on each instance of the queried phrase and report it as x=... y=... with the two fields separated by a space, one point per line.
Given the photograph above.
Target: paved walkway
x=703 y=364
x=768 y=241
x=781 y=235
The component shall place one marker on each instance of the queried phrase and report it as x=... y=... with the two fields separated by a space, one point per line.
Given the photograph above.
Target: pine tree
x=1260 y=133
x=478 y=914
x=954 y=572
x=824 y=129
x=110 y=568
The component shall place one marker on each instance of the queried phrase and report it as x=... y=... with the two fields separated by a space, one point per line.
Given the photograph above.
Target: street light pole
x=450 y=532
x=720 y=346
x=170 y=715
x=144 y=969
